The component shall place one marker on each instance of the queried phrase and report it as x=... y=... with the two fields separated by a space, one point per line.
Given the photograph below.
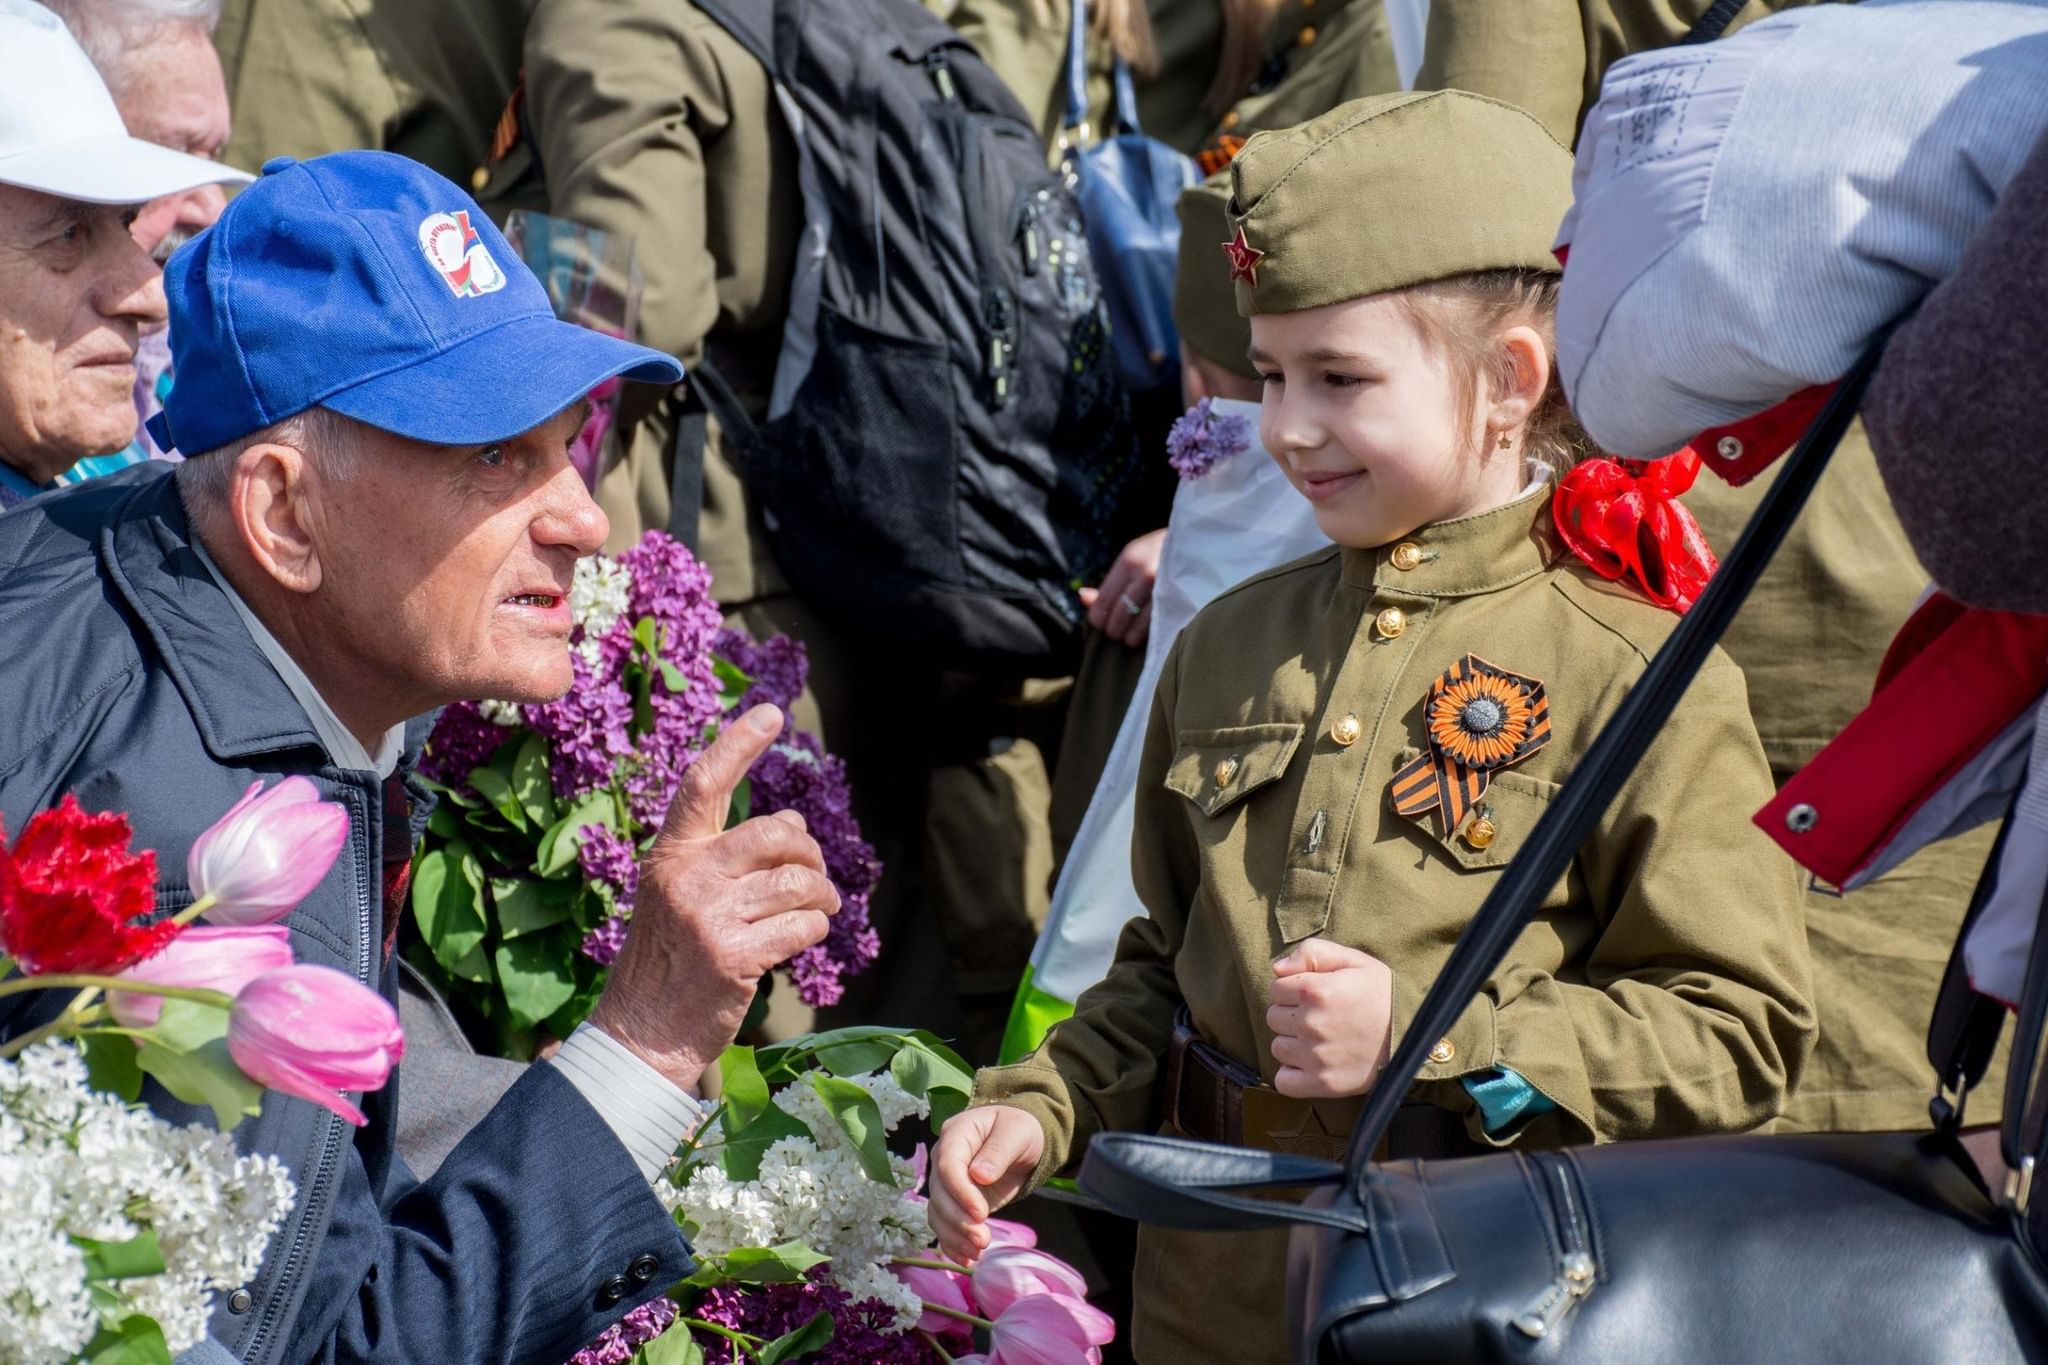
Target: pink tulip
x=1004 y=1233
x=1049 y=1329
x=311 y=1031
x=260 y=860
x=944 y=1288
x=1006 y=1274
x=220 y=958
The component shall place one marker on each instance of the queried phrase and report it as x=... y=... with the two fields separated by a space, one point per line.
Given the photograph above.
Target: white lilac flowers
x=599 y=596
x=79 y=1164
x=813 y=1190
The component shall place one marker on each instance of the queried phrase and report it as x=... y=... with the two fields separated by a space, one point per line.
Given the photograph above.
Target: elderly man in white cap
x=76 y=290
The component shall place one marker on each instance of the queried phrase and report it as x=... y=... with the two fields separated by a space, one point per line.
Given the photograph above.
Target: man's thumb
x=704 y=796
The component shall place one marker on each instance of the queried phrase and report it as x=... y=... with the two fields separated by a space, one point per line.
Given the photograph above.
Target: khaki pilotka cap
x=1392 y=191
x=1204 y=301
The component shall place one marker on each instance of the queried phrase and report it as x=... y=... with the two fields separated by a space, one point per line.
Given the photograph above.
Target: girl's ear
x=1524 y=377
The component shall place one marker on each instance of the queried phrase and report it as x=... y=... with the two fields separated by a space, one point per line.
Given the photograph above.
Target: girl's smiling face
x=1368 y=419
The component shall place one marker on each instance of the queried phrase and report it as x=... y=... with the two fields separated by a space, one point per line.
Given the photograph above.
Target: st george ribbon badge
x=1480 y=719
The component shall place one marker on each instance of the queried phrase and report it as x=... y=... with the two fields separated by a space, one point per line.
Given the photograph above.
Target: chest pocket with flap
x=1215 y=769
x=1514 y=804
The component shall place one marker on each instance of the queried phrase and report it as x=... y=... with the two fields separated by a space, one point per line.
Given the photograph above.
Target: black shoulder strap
x=1556 y=839
x=750 y=22
x=709 y=398
x=1962 y=1033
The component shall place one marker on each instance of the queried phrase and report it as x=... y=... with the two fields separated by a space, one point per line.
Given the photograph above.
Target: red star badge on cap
x=1244 y=259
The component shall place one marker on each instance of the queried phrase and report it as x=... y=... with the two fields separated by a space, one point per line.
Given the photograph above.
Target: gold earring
x=1505 y=443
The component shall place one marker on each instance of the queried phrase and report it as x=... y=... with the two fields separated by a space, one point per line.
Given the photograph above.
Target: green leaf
x=445 y=822
x=855 y=1059
x=129 y=1260
x=136 y=1340
x=674 y=1347
x=857 y=1115
x=559 y=844
x=784 y=1264
x=530 y=782
x=471 y=966
x=110 y=1064
x=187 y=1052
x=739 y=1156
x=801 y=1342
x=445 y=902
x=732 y=679
x=672 y=678
x=742 y=1092
x=536 y=975
x=495 y=788
x=920 y=1071
x=522 y=909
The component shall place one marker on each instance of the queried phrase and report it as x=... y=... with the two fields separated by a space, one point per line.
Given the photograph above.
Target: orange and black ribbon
x=1480 y=719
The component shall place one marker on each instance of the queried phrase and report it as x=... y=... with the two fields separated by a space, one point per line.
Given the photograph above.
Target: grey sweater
x=1956 y=412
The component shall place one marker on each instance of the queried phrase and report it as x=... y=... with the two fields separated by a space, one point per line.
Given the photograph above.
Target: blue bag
x=1128 y=184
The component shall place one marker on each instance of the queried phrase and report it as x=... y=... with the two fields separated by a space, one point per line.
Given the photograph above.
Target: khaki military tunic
x=1322 y=53
x=1662 y=989
x=1549 y=56
x=653 y=122
x=427 y=79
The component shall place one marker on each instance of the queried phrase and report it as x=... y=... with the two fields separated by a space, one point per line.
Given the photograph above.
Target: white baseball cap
x=60 y=133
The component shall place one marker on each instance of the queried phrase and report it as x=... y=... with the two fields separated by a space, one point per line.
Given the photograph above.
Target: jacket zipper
x=330 y=1141
x=1576 y=1271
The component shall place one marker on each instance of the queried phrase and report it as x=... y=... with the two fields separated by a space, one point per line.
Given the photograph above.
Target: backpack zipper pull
x=1574 y=1282
x=942 y=77
x=1027 y=228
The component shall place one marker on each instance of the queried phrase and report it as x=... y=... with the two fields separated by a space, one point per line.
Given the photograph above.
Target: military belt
x=1212 y=1096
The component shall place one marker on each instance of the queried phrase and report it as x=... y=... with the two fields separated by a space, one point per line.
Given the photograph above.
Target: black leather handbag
x=1864 y=1248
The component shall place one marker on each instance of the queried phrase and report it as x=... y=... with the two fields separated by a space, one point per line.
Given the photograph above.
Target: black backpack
x=947 y=451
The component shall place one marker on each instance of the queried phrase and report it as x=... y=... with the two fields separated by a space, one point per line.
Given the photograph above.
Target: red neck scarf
x=1624 y=519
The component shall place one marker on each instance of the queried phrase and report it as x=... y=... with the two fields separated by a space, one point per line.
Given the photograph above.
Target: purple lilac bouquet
x=527 y=876
x=811 y=1235
x=1202 y=438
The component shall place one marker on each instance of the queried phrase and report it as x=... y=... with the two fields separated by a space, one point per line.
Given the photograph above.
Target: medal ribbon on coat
x=1624 y=519
x=1480 y=719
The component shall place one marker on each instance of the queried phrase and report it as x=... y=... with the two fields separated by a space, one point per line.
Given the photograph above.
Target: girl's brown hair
x=1462 y=316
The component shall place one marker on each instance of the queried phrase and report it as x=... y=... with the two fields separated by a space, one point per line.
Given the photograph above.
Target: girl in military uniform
x=1344 y=752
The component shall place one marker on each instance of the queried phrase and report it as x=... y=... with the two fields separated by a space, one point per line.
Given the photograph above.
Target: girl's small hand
x=1331 y=1016
x=984 y=1157
x=1127 y=586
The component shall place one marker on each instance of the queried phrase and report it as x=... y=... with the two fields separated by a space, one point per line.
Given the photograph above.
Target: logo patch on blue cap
x=453 y=248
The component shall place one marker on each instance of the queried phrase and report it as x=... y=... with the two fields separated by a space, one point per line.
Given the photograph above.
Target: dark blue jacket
x=127 y=678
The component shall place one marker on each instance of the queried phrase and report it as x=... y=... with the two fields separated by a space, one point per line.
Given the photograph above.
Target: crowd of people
x=284 y=470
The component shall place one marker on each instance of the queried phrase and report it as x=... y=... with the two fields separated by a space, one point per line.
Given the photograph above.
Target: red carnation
x=71 y=893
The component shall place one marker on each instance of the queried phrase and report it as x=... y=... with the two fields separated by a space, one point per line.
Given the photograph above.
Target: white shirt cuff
x=646 y=1110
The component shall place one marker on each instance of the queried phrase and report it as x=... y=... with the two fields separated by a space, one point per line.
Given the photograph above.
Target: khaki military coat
x=1320 y=53
x=427 y=80
x=1662 y=988
x=1549 y=56
x=653 y=122
x=1810 y=640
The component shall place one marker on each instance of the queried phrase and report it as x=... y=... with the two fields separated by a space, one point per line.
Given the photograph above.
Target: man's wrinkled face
x=449 y=567
x=170 y=91
x=76 y=294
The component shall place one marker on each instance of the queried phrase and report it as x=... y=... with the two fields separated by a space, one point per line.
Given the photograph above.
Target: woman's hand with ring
x=1121 y=607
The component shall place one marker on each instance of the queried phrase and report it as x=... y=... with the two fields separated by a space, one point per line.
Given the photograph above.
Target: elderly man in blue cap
x=378 y=516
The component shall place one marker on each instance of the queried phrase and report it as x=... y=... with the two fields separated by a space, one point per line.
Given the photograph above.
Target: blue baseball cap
x=365 y=283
